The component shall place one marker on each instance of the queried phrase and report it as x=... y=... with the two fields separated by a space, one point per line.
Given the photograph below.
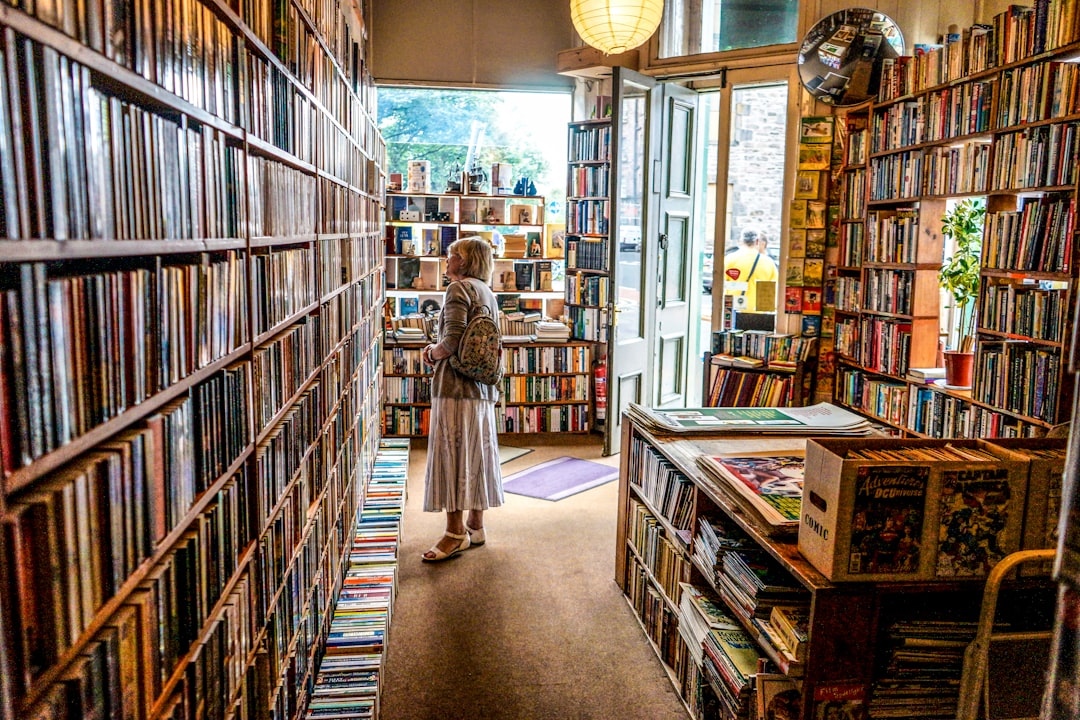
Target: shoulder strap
x=752 y=269
x=474 y=299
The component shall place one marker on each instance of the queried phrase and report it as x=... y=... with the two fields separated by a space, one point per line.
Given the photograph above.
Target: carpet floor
x=531 y=626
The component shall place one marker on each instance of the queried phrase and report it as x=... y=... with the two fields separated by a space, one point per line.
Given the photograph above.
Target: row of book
x=657 y=481
x=1038 y=92
x=589 y=181
x=1035 y=310
x=852 y=240
x=588 y=323
x=935 y=171
x=587 y=289
x=407 y=390
x=779 y=349
x=878 y=397
x=734 y=388
x=282 y=285
x=854 y=194
x=151 y=178
x=283 y=199
x=889 y=290
x=936 y=414
x=1016 y=33
x=546 y=388
x=1037 y=236
x=1003 y=373
x=587 y=217
x=586 y=254
x=530 y=360
x=590 y=143
x=281 y=366
x=659 y=619
x=1042 y=156
x=666 y=565
x=349 y=676
x=55 y=330
x=552 y=418
x=892 y=237
x=345 y=260
x=943 y=114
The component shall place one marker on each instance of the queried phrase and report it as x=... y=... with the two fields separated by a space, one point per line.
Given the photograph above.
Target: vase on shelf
x=958 y=367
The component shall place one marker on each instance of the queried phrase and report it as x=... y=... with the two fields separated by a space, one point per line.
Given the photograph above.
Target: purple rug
x=559 y=478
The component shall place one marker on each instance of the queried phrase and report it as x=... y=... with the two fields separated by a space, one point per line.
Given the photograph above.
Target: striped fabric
x=463 y=456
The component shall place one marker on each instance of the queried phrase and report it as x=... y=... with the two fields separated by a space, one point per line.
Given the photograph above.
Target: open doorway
x=741 y=191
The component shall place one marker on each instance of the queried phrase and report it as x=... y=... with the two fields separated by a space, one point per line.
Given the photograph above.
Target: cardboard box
x=1042 y=510
x=908 y=519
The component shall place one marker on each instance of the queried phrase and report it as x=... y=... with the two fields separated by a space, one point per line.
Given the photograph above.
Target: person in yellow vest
x=744 y=267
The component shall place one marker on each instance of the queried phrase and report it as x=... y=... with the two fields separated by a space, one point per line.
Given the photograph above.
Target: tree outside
x=526 y=130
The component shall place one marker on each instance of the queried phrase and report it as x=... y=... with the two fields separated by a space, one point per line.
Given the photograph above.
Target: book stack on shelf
x=756 y=368
x=995 y=107
x=545 y=388
x=188 y=351
x=349 y=679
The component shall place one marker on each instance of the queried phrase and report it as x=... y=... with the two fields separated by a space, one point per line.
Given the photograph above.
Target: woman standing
x=463 y=471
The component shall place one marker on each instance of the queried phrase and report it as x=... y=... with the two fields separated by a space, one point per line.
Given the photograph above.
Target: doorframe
x=725 y=84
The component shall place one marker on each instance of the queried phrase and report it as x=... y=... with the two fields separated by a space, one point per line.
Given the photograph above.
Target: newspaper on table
x=821 y=419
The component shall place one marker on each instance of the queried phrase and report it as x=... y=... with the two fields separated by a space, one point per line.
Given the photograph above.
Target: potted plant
x=959 y=276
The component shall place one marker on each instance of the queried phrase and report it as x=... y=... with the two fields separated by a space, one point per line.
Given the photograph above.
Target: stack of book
x=698 y=614
x=552 y=331
x=348 y=682
x=922 y=678
x=752 y=583
x=820 y=419
x=730 y=663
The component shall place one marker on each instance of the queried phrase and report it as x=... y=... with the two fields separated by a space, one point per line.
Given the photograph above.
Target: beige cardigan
x=454 y=316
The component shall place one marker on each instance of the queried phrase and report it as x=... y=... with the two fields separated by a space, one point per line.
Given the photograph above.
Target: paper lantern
x=615 y=26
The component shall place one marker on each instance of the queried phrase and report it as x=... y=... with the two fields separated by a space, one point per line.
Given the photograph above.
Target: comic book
x=887 y=519
x=973 y=520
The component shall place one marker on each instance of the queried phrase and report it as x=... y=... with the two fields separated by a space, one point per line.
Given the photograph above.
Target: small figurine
x=525 y=218
x=490 y=218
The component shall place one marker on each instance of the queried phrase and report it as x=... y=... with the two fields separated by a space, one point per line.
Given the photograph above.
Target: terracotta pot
x=958 y=367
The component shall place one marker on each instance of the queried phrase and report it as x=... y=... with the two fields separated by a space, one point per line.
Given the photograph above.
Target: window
x=694 y=27
x=450 y=128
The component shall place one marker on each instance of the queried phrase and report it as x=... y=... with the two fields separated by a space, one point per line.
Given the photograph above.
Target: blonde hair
x=476 y=257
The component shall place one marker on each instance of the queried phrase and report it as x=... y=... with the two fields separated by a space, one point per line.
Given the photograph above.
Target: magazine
x=771 y=484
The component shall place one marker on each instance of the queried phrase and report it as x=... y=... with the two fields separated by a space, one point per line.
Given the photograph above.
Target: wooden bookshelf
x=191 y=272
x=664 y=496
x=983 y=116
x=546 y=387
x=526 y=263
x=588 y=234
x=759 y=369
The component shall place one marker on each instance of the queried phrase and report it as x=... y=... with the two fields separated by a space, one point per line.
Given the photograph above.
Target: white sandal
x=477 y=537
x=439 y=555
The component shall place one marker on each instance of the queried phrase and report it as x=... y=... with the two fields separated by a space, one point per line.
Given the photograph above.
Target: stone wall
x=756 y=163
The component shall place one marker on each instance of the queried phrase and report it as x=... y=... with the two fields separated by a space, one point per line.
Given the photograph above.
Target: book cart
x=546 y=387
x=191 y=277
x=851 y=648
x=990 y=114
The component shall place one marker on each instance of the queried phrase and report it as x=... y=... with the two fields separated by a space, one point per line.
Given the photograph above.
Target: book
x=973 y=521
x=889 y=509
x=408 y=272
x=792 y=624
x=523 y=276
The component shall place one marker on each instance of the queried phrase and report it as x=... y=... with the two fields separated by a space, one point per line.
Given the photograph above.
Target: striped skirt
x=463 y=470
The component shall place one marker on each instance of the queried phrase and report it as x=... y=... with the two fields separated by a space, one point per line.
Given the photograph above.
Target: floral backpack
x=479 y=354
